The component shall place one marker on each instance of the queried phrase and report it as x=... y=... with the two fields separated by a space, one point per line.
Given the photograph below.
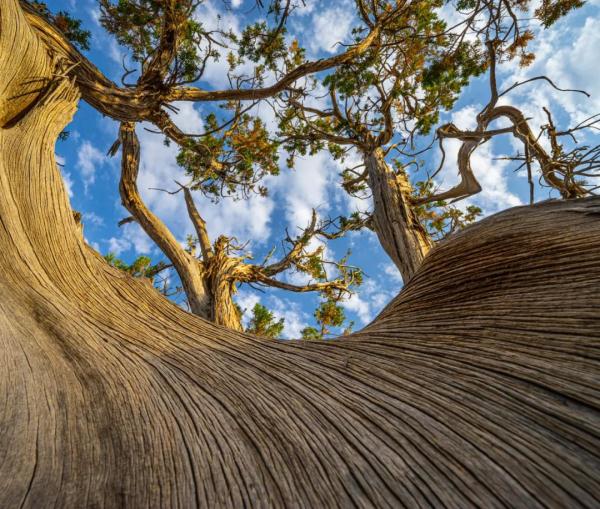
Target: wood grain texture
x=398 y=228
x=476 y=387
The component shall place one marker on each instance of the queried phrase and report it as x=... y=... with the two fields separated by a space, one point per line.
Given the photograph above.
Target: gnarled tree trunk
x=399 y=231
x=225 y=312
x=186 y=265
x=477 y=386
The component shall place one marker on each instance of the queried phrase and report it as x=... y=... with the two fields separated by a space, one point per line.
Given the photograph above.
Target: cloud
x=329 y=28
x=291 y=312
x=215 y=19
x=132 y=237
x=359 y=306
x=392 y=272
x=305 y=188
x=369 y=299
x=93 y=219
x=246 y=300
x=66 y=176
x=68 y=181
x=563 y=54
x=248 y=220
x=89 y=158
x=118 y=245
x=294 y=318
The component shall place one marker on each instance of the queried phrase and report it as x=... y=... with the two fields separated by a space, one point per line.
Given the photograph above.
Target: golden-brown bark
x=218 y=272
x=143 y=103
x=221 y=272
x=399 y=230
x=476 y=387
x=185 y=264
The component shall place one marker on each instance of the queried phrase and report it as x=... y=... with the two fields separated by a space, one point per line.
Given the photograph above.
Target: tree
x=372 y=96
x=263 y=323
x=328 y=314
x=210 y=281
x=378 y=104
x=170 y=49
x=477 y=386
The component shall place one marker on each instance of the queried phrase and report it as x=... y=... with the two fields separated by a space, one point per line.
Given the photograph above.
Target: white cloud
x=132 y=237
x=563 y=53
x=357 y=305
x=244 y=219
x=392 y=272
x=118 y=245
x=213 y=18
x=93 y=218
x=305 y=188
x=89 y=158
x=68 y=182
x=329 y=28
x=246 y=300
x=369 y=299
x=295 y=318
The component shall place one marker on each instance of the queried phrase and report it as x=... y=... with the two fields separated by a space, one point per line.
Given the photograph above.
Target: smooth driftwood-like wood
x=477 y=386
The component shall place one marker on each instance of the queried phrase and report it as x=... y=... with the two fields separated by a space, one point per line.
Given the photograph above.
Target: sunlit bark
x=398 y=228
x=477 y=386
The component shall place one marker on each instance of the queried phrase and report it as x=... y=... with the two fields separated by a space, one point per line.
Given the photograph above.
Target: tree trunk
x=185 y=264
x=220 y=278
x=224 y=310
x=477 y=386
x=399 y=231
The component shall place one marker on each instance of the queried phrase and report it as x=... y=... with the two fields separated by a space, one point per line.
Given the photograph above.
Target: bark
x=218 y=270
x=185 y=264
x=399 y=231
x=477 y=386
x=136 y=104
x=221 y=278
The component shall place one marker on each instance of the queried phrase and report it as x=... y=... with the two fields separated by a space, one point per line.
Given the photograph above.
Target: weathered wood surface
x=397 y=226
x=477 y=386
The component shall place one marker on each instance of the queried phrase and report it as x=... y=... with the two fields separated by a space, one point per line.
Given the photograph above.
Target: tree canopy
x=378 y=99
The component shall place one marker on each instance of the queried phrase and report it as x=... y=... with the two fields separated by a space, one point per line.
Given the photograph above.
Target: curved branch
x=199 y=224
x=340 y=285
x=142 y=104
x=295 y=253
x=187 y=267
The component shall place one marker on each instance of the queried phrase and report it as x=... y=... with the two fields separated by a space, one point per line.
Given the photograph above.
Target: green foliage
x=68 y=25
x=549 y=12
x=440 y=218
x=311 y=334
x=424 y=68
x=263 y=323
x=141 y=267
x=442 y=79
x=259 y=43
x=329 y=314
x=231 y=160
x=147 y=27
x=140 y=24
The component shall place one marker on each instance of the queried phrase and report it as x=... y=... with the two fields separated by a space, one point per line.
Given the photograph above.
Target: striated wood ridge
x=476 y=387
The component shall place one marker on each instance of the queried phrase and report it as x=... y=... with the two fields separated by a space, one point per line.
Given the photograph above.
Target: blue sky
x=568 y=53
